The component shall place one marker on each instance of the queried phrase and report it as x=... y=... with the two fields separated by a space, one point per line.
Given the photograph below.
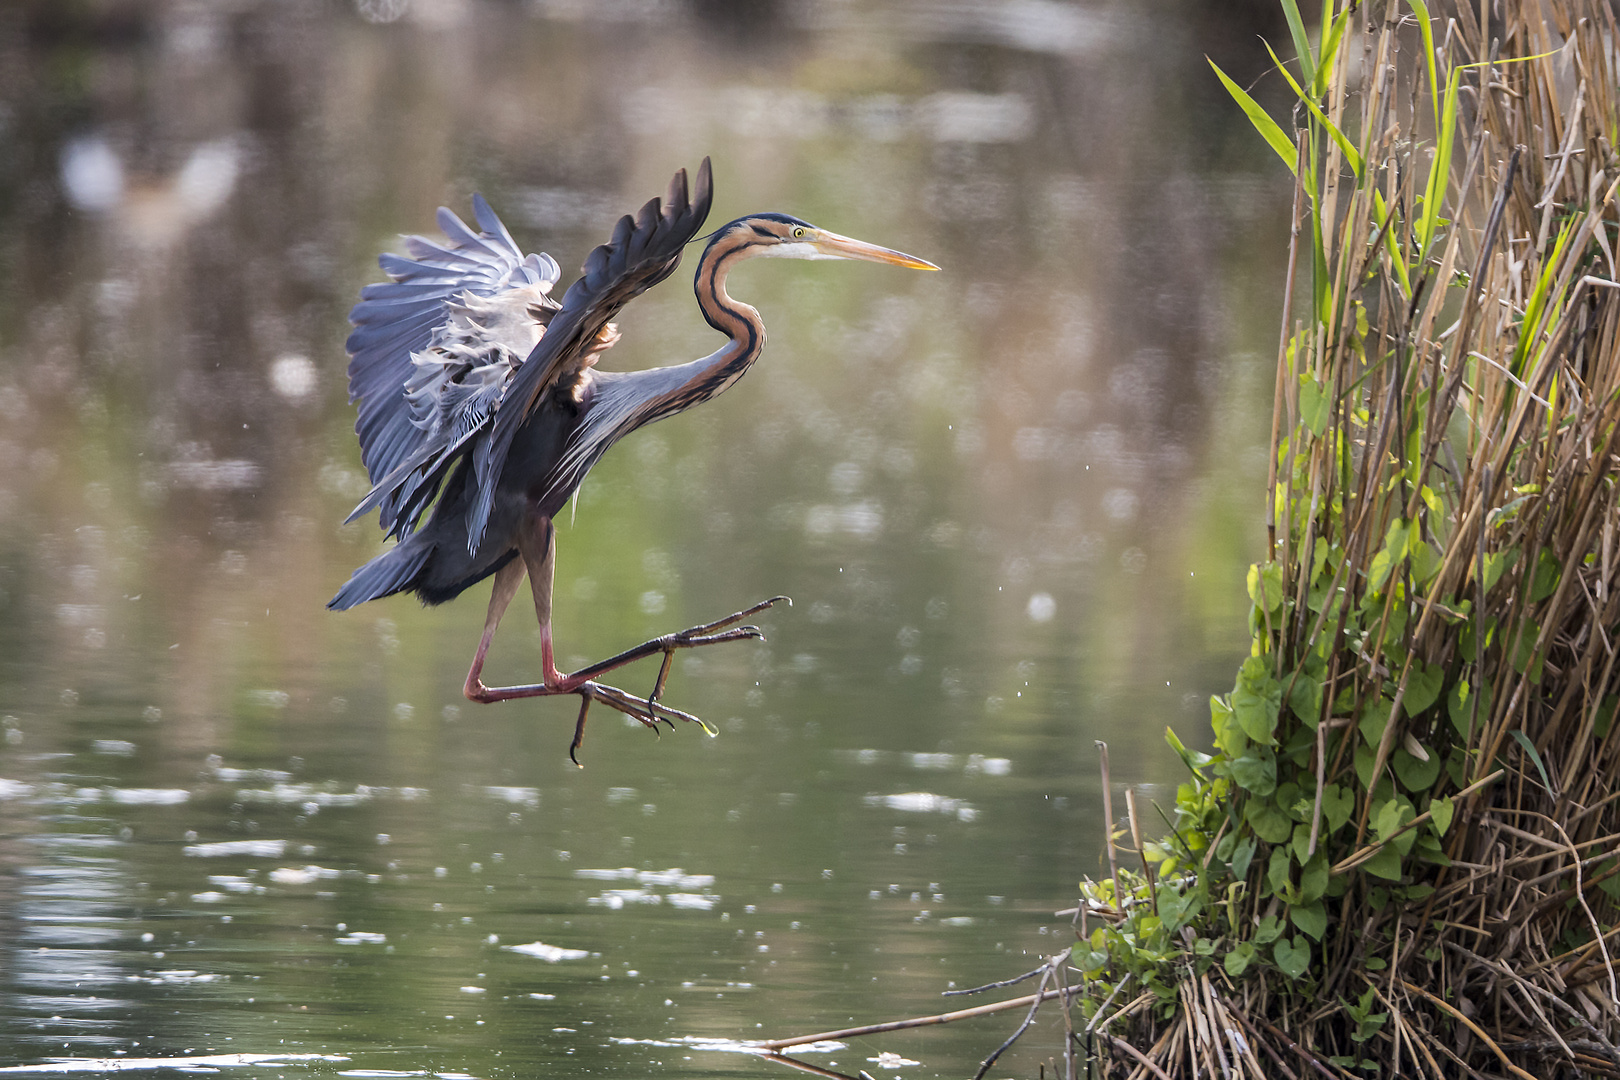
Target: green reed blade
x=1351 y=154
x=1267 y=127
x=1302 y=41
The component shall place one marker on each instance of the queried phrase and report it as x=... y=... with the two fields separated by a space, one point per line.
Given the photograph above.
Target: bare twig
x=1014 y=981
x=1029 y=1018
x=917 y=1021
x=1478 y=1031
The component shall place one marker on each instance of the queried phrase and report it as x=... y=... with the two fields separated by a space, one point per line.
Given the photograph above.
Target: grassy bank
x=1401 y=858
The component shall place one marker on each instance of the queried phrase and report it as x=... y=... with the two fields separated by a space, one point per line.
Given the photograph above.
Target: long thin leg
x=507 y=580
x=538 y=547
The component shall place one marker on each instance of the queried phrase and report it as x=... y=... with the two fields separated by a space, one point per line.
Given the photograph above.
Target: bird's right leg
x=538 y=546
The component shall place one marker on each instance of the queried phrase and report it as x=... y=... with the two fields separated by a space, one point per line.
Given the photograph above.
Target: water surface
x=1012 y=501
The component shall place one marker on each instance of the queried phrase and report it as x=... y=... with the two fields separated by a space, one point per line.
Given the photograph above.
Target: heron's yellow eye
x=798 y=231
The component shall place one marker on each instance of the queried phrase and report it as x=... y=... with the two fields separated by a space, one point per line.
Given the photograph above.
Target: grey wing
x=422 y=377
x=643 y=251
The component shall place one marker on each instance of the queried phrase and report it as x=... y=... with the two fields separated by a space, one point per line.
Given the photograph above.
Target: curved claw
x=648 y=712
x=737 y=633
x=663 y=677
x=579 y=730
x=736 y=617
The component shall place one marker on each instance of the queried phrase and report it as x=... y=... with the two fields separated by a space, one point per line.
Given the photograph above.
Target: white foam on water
x=267 y=849
x=149 y=796
x=201 y=1062
x=549 y=953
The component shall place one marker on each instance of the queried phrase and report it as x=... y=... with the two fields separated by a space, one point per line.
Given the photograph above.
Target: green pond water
x=1012 y=501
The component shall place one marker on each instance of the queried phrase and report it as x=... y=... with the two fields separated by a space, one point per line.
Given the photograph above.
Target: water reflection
x=1011 y=501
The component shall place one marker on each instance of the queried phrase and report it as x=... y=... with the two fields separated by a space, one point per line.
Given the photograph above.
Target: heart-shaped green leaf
x=1422 y=687
x=1315 y=405
x=1237 y=961
x=1311 y=918
x=1305 y=697
x=1426 y=562
x=1229 y=737
x=1440 y=812
x=1386 y=864
x=1256 y=700
x=1277 y=869
x=1386 y=819
x=1301 y=843
x=1337 y=806
x=1269 y=823
x=1293 y=955
x=1415 y=774
x=1545 y=580
x=1266 y=585
x=1241 y=855
x=1256 y=771
x=1313 y=880
x=1374 y=719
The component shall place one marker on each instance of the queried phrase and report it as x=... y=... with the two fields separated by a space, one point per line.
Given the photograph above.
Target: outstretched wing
x=643 y=251
x=418 y=367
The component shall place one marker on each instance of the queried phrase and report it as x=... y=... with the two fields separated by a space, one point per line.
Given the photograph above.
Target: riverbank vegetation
x=1401 y=857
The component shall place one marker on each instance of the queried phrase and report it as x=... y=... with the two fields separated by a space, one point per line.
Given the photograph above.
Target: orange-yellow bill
x=843 y=247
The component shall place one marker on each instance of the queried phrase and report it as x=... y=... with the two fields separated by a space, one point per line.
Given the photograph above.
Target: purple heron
x=481 y=408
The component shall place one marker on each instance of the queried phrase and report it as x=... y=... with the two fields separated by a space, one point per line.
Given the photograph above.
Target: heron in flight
x=478 y=390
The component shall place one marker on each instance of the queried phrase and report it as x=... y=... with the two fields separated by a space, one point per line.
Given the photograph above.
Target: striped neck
x=738 y=321
x=705 y=378
x=663 y=392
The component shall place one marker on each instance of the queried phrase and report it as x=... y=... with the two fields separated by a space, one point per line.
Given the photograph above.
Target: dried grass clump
x=1402 y=860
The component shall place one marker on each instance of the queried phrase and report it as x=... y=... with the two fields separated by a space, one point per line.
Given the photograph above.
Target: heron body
x=481 y=408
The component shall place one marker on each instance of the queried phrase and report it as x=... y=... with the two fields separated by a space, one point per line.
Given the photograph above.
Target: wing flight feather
x=432 y=301
x=643 y=251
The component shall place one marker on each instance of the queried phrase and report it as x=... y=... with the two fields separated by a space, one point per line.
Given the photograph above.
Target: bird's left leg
x=537 y=550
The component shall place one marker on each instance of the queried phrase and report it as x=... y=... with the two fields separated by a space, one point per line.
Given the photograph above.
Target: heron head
x=784 y=237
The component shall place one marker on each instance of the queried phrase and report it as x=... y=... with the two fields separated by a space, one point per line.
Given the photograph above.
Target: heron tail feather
x=395 y=570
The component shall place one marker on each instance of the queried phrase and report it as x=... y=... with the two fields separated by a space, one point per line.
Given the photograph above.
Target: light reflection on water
x=1012 y=501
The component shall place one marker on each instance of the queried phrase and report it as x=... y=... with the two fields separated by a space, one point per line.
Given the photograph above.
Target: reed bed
x=1404 y=856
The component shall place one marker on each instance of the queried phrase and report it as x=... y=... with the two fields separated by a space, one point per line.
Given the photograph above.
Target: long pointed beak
x=843 y=247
